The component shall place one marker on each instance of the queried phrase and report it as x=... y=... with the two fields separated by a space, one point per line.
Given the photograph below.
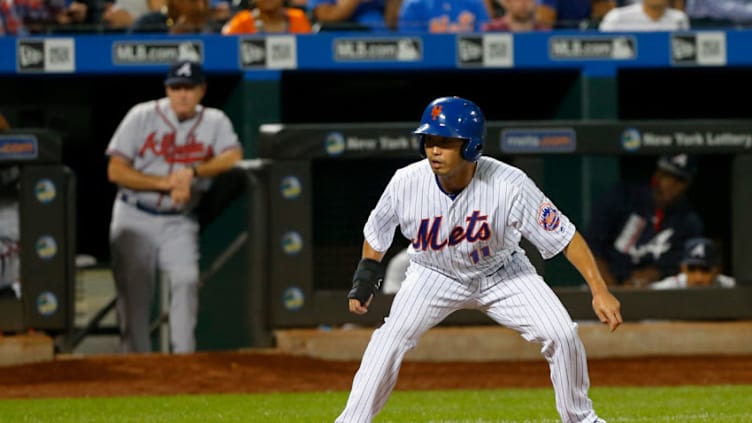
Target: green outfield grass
x=706 y=404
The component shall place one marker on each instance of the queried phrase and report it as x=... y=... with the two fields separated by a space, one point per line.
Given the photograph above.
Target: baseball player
x=161 y=157
x=10 y=263
x=700 y=268
x=637 y=230
x=465 y=215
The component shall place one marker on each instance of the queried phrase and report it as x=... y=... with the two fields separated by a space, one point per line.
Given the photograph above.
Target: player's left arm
x=226 y=144
x=220 y=163
x=605 y=305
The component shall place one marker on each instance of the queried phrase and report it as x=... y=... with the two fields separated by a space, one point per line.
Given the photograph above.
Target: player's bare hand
x=358 y=308
x=608 y=309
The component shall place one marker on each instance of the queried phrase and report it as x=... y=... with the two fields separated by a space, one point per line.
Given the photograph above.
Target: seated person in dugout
x=700 y=267
x=638 y=230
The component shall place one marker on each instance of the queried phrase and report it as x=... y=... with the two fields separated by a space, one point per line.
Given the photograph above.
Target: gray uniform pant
x=141 y=243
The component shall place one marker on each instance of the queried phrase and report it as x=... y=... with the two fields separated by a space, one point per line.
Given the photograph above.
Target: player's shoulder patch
x=548 y=217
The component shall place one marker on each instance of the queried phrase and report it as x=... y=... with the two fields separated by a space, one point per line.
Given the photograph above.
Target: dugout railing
x=314 y=169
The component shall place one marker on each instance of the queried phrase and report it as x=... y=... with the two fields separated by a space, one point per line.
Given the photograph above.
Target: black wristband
x=367 y=280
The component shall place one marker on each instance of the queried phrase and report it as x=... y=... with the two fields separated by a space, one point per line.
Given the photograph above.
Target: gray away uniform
x=147 y=231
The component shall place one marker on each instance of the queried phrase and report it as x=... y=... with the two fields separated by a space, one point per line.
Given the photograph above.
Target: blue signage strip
x=593 y=52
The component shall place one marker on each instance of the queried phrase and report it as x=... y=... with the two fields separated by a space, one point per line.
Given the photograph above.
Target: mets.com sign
x=538 y=140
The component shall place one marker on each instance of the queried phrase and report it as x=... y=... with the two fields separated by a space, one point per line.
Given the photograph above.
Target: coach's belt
x=147 y=209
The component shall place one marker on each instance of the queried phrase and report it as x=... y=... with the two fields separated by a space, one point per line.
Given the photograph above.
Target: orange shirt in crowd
x=245 y=22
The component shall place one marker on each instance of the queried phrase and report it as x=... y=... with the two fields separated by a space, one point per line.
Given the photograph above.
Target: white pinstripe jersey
x=473 y=235
x=152 y=139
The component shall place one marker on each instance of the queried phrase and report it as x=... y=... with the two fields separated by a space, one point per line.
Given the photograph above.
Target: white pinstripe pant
x=515 y=297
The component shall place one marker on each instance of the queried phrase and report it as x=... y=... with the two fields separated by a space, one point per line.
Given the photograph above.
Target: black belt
x=148 y=209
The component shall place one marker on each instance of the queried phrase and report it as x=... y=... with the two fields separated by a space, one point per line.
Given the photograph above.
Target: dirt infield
x=253 y=372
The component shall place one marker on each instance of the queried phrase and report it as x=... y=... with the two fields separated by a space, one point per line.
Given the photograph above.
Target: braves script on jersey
x=473 y=235
x=155 y=142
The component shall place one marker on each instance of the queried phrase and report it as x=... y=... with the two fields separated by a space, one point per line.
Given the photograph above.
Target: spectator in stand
x=122 y=13
x=519 y=15
x=21 y=17
x=650 y=15
x=637 y=231
x=700 y=268
x=266 y=16
x=10 y=21
x=442 y=16
x=676 y=4
x=571 y=13
x=222 y=10
x=719 y=13
x=179 y=17
x=371 y=14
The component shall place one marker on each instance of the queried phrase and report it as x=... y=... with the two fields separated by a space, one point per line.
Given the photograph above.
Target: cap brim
x=697 y=262
x=184 y=81
x=438 y=130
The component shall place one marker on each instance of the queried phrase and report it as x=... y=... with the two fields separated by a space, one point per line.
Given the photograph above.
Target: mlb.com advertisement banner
x=593 y=53
x=512 y=138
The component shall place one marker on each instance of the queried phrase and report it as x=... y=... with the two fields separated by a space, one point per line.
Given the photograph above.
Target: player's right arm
x=120 y=172
x=368 y=277
x=123 y=147
x=378 y=234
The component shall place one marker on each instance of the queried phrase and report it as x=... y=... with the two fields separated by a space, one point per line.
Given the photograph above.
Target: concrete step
x=25 y=348
x=495 y=343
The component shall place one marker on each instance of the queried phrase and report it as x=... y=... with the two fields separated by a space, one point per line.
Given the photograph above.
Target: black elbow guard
x=367 y=280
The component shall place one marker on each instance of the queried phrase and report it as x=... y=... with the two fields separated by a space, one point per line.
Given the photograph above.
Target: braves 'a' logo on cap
x=184 y=70
x=698 y=251
x=436 y=111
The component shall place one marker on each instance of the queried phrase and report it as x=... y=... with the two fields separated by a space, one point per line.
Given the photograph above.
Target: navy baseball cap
x=683 y=166
x=701 y=252
x=185 y=72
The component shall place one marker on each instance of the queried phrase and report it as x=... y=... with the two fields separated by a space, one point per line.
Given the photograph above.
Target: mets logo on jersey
x=477 y=229
x=548 y=217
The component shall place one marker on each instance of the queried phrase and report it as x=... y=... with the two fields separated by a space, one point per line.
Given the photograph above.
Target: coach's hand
x=180 y=182
x=366 y=281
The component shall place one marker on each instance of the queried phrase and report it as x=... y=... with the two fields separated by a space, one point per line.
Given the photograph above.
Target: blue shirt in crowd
x=440 y=16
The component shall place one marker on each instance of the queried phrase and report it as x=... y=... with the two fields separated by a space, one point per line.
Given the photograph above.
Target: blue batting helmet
x=454 y=117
